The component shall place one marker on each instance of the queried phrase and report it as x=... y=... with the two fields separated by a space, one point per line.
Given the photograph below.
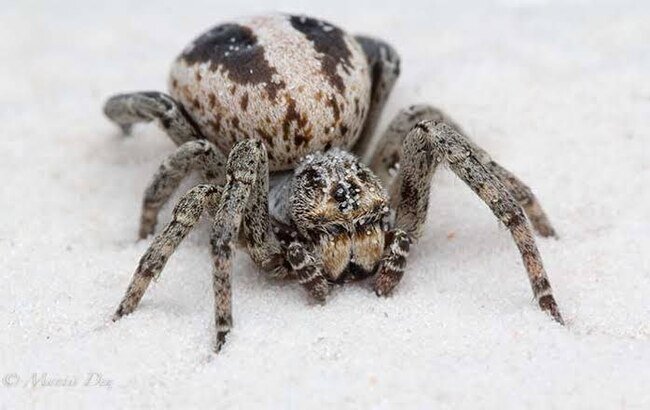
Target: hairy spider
x=277 y=113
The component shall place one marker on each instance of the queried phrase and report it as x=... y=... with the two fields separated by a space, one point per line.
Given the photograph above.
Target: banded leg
x=430 y=143
x=244 y=203
x=386 y=161
x=309 y=271
x=521 y=192
x=525 y=197
x=391 y=267
x=384 y=70
x=199 y=154
x=185 y=215
x=128 y=109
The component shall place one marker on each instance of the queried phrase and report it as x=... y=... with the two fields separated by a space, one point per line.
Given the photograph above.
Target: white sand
x=557 y=91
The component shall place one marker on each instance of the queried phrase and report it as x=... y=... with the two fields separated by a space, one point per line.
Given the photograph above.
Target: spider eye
x=340 y=193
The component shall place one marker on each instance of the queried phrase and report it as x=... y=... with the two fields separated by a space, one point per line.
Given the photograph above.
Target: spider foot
x=117 y=315
x=148 y=221
x=546 y=231
x=139 y=283
x=539 y=220
x=126 y=129
x=548 y=304
x=543 y=228
x=220 y=340
x=386 y=281
x=318 y=290
x=122 y=310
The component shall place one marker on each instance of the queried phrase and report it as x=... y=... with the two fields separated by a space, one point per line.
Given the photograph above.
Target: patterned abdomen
x=298 y=84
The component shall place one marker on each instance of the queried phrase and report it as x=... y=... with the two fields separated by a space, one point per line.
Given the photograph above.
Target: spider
x=277 y=113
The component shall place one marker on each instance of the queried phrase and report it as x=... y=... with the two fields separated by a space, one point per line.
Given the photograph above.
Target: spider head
x=333 y=192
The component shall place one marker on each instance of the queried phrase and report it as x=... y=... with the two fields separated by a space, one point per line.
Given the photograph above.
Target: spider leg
x=392 y=264
x=244 y=203
x=128 y=109
x=309 y=271
x=199 y=154
x=388 y=153
x=525 y=197
x=384 y=69
x=185 y=215
x=428 y=144
x=244 y=193
x=385 y=161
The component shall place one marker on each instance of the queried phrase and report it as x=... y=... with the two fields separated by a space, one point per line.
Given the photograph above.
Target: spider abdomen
x=298 y=84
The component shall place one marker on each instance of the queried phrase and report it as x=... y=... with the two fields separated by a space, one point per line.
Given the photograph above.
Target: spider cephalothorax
x=339 y=204
x=277 y=112
x=335 y=188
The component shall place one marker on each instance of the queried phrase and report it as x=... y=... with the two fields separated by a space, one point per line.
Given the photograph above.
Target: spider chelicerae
x=277 y=113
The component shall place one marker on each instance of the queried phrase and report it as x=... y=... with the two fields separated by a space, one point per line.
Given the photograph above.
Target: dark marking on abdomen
x=329 y=41
x=235 y=48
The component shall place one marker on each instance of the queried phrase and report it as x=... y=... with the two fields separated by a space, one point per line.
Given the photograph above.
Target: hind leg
x=384 y=62
x=128 y=109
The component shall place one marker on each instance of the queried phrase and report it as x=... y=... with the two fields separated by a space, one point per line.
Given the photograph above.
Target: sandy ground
x=558 y=91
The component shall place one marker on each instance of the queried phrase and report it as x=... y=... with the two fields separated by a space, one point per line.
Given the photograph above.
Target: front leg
x=246 y=182
x=428 y=144
x=308 y=270
x=391 y=266
x=243 y=204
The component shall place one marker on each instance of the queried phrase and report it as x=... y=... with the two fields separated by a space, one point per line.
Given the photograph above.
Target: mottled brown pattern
x=268 y=138
x=216 y=124
x=244 y=102
x=335 y=110
x=302 y=130
x=306 y=123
